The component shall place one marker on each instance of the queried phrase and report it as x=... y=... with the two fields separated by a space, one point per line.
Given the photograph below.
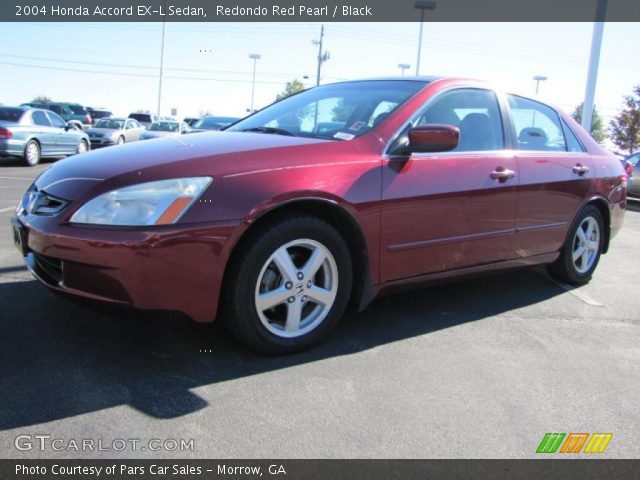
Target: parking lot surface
x=481 y=368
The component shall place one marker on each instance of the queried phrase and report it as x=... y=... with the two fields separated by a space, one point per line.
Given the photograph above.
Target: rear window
x=10 y=114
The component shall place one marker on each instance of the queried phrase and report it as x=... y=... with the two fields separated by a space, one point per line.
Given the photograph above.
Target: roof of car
x=408 y=78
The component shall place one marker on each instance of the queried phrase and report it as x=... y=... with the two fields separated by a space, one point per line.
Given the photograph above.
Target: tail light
x=5 y=133
x=89 y=120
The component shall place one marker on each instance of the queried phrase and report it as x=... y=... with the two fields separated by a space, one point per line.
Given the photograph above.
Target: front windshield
x=110 y=123
x=214 y=123
x=339 y=111
x=164 y=126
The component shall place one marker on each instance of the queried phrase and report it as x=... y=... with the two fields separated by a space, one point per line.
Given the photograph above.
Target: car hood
x=169 y=157
x=157 y=134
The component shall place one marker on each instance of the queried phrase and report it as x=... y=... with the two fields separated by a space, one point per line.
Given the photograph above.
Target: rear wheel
x=581 y=252
x=289 y=286
x=120 y=140
x=32 y=153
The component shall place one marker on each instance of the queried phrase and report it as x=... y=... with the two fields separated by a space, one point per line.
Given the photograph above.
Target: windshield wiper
x=277 y=131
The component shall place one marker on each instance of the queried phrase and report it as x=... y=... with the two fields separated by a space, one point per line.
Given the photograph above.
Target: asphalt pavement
x=481 y=368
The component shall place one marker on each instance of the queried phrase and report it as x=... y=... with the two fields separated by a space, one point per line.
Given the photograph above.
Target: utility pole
x=322 y=56
x=594 y=60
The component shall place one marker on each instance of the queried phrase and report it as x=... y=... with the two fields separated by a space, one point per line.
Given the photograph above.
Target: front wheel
x=82 y=147
x=581 y=252
x=289 y=286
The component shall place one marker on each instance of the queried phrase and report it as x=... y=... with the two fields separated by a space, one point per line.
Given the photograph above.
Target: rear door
x=443 y=211
x=556 y=175
x=44 y=132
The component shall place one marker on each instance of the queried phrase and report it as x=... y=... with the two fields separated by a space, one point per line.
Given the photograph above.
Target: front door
x=444 y=211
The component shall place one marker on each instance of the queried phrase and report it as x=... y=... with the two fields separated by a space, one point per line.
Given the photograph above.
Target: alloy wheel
x=586 y=243
x=296 y=288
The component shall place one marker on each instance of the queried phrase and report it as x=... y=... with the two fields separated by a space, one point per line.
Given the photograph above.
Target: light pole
x=422 y=5
x=255 y=57
x=594 y=61
x=164 y=37
x=538 y=79
x=403 y=67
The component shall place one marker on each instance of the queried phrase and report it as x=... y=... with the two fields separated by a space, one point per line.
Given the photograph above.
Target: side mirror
x=69 y=126
x=431 y=138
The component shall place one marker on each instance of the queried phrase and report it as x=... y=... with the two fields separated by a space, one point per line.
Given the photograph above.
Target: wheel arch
x=603 y=206
x=336 y=215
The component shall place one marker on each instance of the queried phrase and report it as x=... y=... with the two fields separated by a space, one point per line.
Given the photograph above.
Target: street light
x=538 y=79
x=422 y=5
x=403 y=67
x=255 y=57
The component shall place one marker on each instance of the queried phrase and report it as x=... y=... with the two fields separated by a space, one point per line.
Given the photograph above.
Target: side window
x=39 y=118
x=381 y=112
x=56 y=121
x=573 y=144
x=128 y=124
x=537 y=126
x=474 y=111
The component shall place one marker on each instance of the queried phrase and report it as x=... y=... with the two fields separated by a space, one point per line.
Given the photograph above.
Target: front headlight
x=152 y=203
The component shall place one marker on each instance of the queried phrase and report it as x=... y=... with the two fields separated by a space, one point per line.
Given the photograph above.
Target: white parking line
x=17 y=178
x=8 y=209
x=575 y=291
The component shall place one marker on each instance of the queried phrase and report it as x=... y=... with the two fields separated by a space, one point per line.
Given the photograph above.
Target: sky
x=207 y=65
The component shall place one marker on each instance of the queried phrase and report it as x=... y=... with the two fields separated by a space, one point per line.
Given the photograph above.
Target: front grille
x=41 y=203
x=48 y=267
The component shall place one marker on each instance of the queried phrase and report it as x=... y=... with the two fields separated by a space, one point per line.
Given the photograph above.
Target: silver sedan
x=114 y=131
x=165 y=128
x=633 y=181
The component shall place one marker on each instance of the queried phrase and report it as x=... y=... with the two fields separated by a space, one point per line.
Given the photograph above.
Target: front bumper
x=178 y=268
x=101 y=142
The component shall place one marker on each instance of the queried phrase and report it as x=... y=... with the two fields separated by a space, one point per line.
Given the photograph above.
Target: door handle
x=580 y=169
x=502 y=174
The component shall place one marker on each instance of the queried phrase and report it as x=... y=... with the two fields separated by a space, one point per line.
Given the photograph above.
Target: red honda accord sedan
x=323 y=200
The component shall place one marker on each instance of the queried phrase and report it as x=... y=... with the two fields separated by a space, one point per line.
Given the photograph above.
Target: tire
x=32 y=153
x=120 y=140
x=586 y=236
x=83 y=147
x=257 y=269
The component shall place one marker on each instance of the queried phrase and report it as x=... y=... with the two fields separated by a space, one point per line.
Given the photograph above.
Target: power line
x=147 y=67
x=127 y=74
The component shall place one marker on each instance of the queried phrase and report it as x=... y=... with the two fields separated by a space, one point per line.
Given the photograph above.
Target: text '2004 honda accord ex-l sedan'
x=323 y=200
